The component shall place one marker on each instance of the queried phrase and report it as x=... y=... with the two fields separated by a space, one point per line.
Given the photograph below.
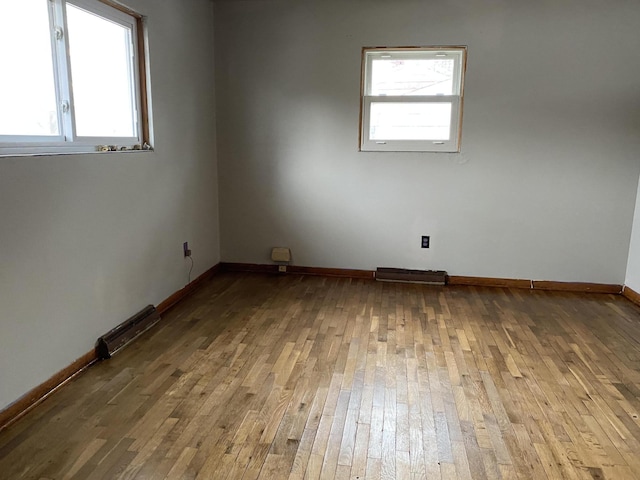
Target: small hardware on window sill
x=116 y=148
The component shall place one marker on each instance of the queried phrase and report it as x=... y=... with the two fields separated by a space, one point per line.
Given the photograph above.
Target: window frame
x=68 y=141
x=366 y=144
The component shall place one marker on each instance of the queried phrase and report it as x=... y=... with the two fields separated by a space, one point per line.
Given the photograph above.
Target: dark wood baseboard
x=332 y=272
x=576 y=287
x=631 y=295
x=297 y=270
x=451 y=280
x=248 y=267
x=488 y=282
x=579 y=287
x=181 y=294
x=36 y=395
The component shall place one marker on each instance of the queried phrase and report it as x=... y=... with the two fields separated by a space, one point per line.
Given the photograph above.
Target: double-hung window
x=71 y=78
x=412 y=99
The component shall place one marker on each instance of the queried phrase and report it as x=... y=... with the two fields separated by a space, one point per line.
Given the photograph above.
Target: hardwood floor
x=276 y=377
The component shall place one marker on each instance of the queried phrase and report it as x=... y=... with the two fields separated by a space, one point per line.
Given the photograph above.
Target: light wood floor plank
x=282 y=376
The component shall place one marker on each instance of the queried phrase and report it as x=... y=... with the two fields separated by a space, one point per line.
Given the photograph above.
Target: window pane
x=410 y=121
x=101 y=74
x=402 y=76
x=27 y=87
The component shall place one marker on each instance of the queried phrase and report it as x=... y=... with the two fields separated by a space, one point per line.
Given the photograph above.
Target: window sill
x=44 y=152
x=399 y=150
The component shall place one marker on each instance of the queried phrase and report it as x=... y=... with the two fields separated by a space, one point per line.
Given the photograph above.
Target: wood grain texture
x=181 y=294
x=631 y=295
x=488 y=282
x=451 y=279
x=576 y=287
x=122 y=8
x=535 y=284
x=37 y=394
x=299 y=270
x=259 y=376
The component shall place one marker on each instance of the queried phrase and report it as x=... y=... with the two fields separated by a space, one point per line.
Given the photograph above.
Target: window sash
x=450 y=145
x=415 y=54
x=68 y=140
x=126 y=21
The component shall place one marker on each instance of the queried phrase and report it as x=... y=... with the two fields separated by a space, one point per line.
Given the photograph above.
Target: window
x=412 y=99
x=71 y=80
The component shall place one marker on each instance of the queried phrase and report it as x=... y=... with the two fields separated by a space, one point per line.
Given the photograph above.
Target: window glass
x=407 y=76
x=28 y=93
x=410 y=121
x=101 y=75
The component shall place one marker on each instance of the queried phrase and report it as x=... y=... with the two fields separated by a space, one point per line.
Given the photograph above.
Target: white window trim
x=68 y=141
x=453 y=144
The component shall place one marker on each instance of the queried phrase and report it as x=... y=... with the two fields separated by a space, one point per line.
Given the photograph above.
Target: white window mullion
x=54 y=31
x=455 y=121
x=135 y=84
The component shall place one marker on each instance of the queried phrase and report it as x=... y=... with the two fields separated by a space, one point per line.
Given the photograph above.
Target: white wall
x=544 y=187
x=632 y=279
x=88 y=240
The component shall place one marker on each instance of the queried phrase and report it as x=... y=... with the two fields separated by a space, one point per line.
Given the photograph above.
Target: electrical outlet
x=185 y=249
x=425 y=241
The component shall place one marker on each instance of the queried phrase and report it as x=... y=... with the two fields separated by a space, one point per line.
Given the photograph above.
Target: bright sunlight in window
x=412 y=99
x=27 y=85
x=71 y=79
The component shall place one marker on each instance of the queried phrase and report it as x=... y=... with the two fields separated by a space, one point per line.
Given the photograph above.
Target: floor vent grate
x=117 y=338
x=428 y=277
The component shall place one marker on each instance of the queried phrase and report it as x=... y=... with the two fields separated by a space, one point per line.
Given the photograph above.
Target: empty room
x=304 y=239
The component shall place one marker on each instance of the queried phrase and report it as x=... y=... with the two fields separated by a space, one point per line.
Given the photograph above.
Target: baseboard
x=181 y=294
x=451 y=279
x=488 y=282
x=248 y=267
x=332 y=272
x=577 y=287
x=631 y=295
x=297 y=270
x=36 y=395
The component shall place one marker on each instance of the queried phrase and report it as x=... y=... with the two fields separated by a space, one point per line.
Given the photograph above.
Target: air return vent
x=117 y=338
x=429 y=277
